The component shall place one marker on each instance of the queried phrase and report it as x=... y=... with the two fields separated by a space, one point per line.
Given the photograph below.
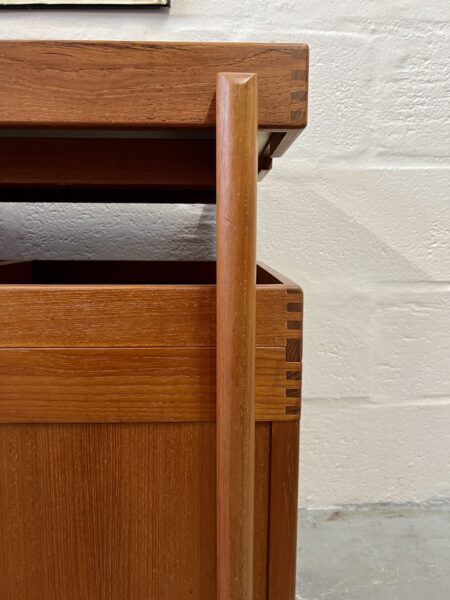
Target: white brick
x=350 y=227
x=339 y=96
x=348 y=15
x=412 y=344
x=412 y=91
x=229 y=20
x=337 y=345
x=353 y=453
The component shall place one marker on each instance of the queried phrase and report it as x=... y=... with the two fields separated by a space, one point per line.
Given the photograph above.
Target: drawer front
x=132 y=385
x=126 y=316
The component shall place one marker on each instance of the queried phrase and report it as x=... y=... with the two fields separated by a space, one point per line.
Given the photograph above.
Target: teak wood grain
x=144 y=84
x=116 y=512
x=62 y=316
x=128 y=385
x=150 y=163
x=236 y=341
x=87 y=194
x=283 y=510
x=12 y=271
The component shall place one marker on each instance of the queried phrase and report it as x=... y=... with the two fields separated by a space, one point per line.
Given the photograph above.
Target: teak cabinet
x=149 y=411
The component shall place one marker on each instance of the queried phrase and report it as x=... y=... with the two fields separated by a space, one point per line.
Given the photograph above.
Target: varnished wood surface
x=144 y=84
x=15 y=271
x=137 y=272
x=123 y=385
x=100 y=195
x=237 y=102
x=116 y=512
x=150 y=163
x=262 y=511
x=126 y=316
x=283 y=510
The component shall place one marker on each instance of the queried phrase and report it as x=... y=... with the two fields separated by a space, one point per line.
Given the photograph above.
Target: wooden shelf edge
x=86 y=84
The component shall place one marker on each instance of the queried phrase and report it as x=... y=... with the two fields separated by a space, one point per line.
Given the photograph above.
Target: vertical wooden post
x=236 y=298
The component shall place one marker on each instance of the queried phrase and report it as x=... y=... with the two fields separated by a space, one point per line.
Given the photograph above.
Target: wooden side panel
x=15 y=271
x=115 y=512
x=127 y=385
x=115 y=195
x=126 y=316
x=151 y=163
x=283 y=510
x=143 y=85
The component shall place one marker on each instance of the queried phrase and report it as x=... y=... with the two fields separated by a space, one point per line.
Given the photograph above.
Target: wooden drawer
x=135 y=350
x=107 y=433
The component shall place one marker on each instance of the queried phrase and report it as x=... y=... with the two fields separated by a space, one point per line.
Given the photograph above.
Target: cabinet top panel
x=144 y=85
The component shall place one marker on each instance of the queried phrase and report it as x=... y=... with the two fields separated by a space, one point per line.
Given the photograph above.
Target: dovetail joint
x=293 y=352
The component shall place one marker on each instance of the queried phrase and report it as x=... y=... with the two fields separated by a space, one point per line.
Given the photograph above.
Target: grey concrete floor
x=374 y=553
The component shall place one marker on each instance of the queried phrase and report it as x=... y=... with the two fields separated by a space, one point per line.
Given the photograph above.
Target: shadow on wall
x=333 y=234
x=107 y=231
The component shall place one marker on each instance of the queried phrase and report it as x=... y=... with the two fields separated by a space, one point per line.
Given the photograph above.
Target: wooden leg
x=236 y=294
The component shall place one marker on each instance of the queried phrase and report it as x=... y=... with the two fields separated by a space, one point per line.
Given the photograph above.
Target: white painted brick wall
x=358 y=212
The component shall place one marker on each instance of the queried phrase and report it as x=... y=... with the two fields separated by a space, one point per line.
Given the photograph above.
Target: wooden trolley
x=149 y=416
